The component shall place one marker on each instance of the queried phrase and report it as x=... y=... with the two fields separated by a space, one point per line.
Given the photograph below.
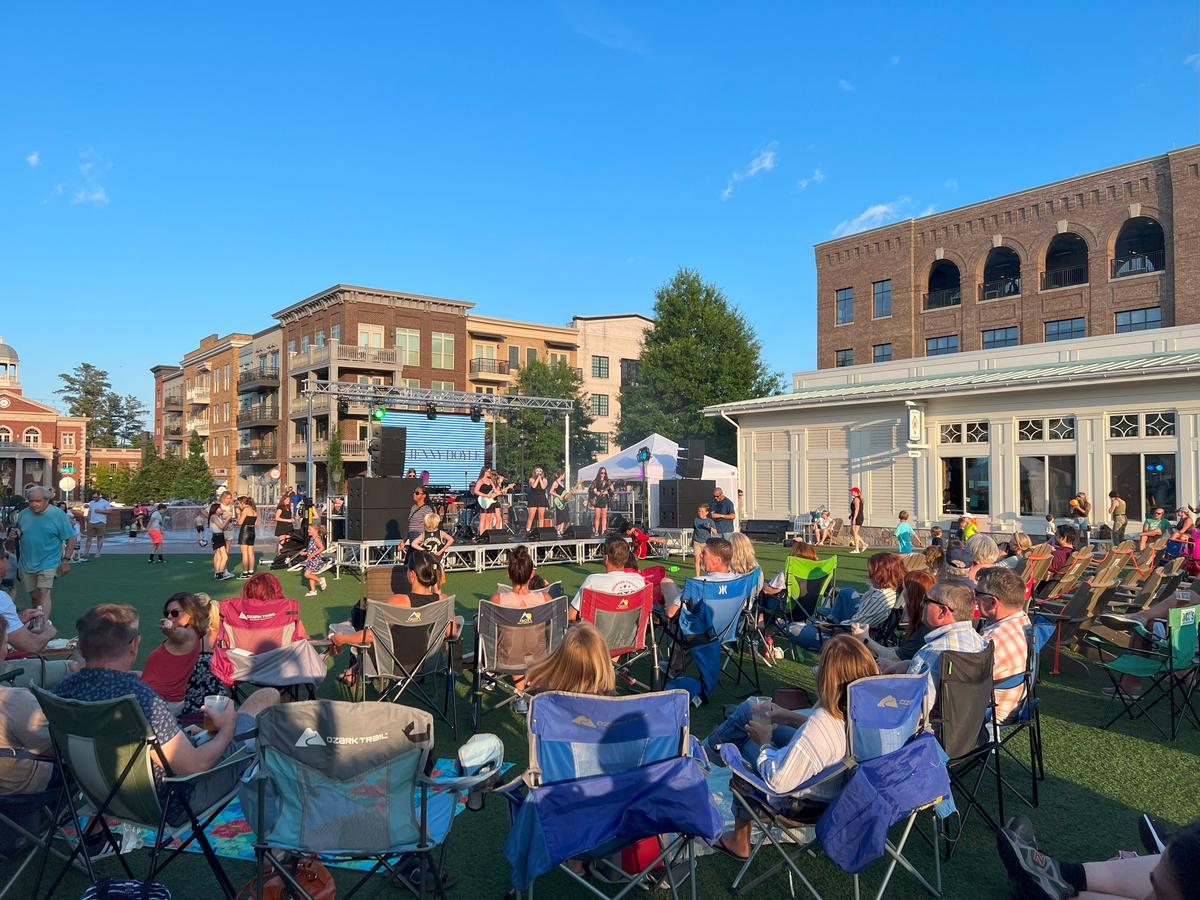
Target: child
x=641 y=541
x=905 y=535
x=77 y=530
x=823 y=526
x=935 y=536
x=703 y=528
x=200 y=523
x=1051 y=529
x=433 y=539
x=313 y=563
x=154 y=530
x=967 y=526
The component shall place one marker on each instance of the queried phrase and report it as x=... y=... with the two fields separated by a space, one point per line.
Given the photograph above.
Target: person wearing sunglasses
x=949 y=612
x=1000 y=594
x=417 y=512
x=178 y=668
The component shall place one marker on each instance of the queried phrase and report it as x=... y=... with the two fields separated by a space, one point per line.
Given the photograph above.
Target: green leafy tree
x=194 y=480
x=115 y=484
x=87 y=392
x=700 y=351
x=531 y=438
x=129 y=419
x=334 y=467
x=156 y=475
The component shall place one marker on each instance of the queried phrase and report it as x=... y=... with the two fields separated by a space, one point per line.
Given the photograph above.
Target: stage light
x=378 y=413
x=343 y=407
x=430 y=411
x=643 y=455
x=476 y=413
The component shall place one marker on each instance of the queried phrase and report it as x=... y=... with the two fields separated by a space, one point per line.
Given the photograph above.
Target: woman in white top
x=788 y=748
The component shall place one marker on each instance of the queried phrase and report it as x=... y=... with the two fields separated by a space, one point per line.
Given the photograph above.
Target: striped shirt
x=815 y=746
x=873 y=607
x=1011 y=656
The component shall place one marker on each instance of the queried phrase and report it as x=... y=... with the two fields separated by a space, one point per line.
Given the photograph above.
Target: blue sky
x=171 y=170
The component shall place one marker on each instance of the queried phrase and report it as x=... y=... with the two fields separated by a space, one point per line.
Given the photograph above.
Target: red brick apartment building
x=1108 y=252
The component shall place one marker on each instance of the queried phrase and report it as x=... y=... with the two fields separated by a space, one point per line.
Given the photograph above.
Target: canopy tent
x=623 y=465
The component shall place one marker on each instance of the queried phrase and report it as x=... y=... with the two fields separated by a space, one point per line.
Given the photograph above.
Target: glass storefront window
x=966 y=486
x=1145 y=480
x=1046 y=484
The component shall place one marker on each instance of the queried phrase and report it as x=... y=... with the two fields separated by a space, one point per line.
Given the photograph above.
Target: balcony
x=254 y=379
x=1001 y=287
x=200 y=426
x=174 y=431
x=1064 y=277
x=198 y=396
x=483 y=368
x=366 y=356
x=353 y=450
x=299 y=405
x=943 y=299
x=173 y=400
x=28 y=445
x=266 y=453
x=1142 y=263
x=312 y=358
x=260 y=415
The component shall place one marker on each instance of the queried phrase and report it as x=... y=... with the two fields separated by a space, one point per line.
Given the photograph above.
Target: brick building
x=210 y=398
x=167 y=424
x=259 y=416
x=500 y=347
x=609 y=349
x=1108 y=252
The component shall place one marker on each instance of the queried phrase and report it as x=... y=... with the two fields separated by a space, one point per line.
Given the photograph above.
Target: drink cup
x=214 y=703
x=760 y=707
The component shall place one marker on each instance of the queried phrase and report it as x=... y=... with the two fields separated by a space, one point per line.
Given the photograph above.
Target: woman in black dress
x=559 y=497
x=484 y=489
x=537 y=498
x=247 y=516
x=285 y=521
x=599 y=495
x=856 y=521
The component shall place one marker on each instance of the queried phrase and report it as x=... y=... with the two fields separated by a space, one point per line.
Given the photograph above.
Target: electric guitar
x=486 y=503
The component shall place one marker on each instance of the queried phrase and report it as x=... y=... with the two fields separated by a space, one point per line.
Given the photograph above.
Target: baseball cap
x=958 y=558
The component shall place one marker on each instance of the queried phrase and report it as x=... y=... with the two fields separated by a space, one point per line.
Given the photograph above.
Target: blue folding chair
x=605 y=772
x=713 y=622
x=1027 y=716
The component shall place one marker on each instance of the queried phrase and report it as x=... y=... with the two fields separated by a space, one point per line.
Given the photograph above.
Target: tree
x=155 y=477
x=129 y=416
x=88 y=392
x=700 y=351
x=335 y=470
x=194 y=480
x=115 y=484
x=531 y=438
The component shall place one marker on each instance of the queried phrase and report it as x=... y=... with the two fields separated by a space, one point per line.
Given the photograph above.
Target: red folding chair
x=628 y=628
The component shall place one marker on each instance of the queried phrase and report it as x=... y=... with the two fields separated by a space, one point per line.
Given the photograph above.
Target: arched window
x=1001 y=274
x=944 y=285
x=1066 y=261
x=1140 y=248
x=33 y=436
x=5 y=435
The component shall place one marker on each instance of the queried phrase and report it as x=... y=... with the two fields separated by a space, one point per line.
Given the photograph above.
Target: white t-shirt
x=609 y=583
x=98 y=512
x=8 y=610
x=155 y=521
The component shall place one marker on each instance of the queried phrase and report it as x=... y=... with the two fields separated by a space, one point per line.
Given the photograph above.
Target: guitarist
x=484 y=490
x=600 y=495
x=559 y=494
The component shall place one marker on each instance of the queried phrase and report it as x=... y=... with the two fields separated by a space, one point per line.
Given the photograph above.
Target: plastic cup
x=760 y=707
x=214 y=703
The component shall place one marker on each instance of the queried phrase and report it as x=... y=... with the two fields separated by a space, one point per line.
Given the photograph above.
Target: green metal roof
x=1034 y=376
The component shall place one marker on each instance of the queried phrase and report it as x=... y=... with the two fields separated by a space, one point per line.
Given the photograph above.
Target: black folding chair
x=508 y=640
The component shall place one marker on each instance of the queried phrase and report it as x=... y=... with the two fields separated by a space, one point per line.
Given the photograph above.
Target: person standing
x=417 y=512
x=599 y=496
x=559 y=496
x=723 y=513
x=314 y=562
x=1081 y=510
x=1116 y=512
x=538 y=501
x=856 y=521
x=44 y=529
x=285 y=520
x=484 y=490
x=154 y=530
x=97 y=520
x=247 y=518
x=220 y=516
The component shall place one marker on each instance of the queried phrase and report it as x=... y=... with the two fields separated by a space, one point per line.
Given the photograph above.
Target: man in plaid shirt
x=1001 y=597
x=949 y=611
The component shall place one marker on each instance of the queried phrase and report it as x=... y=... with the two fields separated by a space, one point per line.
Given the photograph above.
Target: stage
x=467 y=557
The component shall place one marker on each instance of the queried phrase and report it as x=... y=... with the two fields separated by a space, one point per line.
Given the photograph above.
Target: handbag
x=308 y=871
x=126 y=889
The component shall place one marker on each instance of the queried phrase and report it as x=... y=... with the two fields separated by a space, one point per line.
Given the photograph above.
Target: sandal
x=720 y=846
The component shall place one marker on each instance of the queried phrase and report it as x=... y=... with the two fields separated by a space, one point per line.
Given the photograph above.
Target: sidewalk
x=175 y=542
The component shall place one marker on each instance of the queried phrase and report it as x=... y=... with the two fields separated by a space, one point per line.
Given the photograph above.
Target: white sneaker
x=322 y=583
x=311 y=594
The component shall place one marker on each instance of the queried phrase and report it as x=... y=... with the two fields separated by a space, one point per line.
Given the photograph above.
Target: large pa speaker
x=689 y=461
x=380 y=493
x=376 y=524
x=389 y=461
x=497 y=536
x=678 y=499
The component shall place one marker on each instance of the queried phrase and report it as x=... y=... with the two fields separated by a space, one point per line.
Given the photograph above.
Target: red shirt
x=168 y=674
x=641 y=543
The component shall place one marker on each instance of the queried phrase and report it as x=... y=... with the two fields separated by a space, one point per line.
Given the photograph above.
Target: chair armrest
x=1010 y=682
x=10 y=753
x=241 y=756
x=11 y=675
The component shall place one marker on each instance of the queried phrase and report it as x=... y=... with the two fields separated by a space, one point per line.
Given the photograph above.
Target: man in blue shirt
x=949 y=611
x=45 y=529
x=723 y=513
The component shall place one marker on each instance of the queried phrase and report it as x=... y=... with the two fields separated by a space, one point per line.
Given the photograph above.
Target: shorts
x=38 y=581
x=218 y=541
x=95 y=529
x=697 y=547
x=155 y=536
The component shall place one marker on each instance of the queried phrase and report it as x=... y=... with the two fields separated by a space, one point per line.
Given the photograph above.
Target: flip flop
x=719 y=846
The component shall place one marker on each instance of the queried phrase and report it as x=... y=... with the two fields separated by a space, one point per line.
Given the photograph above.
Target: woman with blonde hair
x=744 y=559
x=582 y=664
x=787 y=748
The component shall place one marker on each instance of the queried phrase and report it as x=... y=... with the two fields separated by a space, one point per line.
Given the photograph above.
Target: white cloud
x=815 y=178
x=873 y=216
x=952 y=184
x=1193 y=60
x=33 y=159
x=894 y=60
x=596 y=23
x=928 y=211
x=91 y=167
x=95 y=194
x=844 y=85
x=764 y=161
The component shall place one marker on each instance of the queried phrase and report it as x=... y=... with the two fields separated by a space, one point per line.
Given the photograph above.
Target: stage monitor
x=449 y=448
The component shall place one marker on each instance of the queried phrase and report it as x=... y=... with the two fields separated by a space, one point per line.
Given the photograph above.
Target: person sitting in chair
x=885 y=572
x=1155 y=527
x=615 y=579
x=788 y=748
x=178 y=668
x=22 y=727
x=1000 y=594
x=1064 y=548
x=949 y=612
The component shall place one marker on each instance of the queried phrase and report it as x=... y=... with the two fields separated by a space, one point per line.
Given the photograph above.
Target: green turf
x=1097 y=780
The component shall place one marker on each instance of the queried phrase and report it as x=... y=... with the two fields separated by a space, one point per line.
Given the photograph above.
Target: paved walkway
x=175 y=542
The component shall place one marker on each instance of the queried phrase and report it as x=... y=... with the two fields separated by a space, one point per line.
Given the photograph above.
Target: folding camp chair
x=508 y=640
x=1027 y=716
x=15 y=810
x=352 y=781
x=263 y=643
x=109 y=752
x=628 y=629
x=808 y=585
x=711 y=625
x=604 y=773
x=886 y=712
x=1067 y=618
x=965 y=729
x=407 y=645
x=1169 y=664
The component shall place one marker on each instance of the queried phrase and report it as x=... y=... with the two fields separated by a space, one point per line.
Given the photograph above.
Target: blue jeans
x=845 y=605
x=733 y=731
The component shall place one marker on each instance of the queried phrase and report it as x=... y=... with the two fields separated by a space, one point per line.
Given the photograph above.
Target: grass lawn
x=1097 y=780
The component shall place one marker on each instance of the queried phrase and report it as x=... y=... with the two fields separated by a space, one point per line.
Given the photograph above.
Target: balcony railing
x=943 y=299
x=200 y=426
x=483 y=365
x=257 y=415
x=198 y=396
x=299 y=405
x=369 y=355
x=26 y=445
x=1001 y=287
x=173 y=400
x=1065 y=277
x=173 y=431
x=350 y=450
x=264 y=454
x=253 y=378
x=1139 y=263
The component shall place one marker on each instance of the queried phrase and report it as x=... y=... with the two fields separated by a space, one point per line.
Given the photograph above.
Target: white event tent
x=623 y=465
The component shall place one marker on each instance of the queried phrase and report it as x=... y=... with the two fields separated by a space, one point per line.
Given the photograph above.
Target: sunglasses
x=982 y=595
x=929 y=601
x=174 y=613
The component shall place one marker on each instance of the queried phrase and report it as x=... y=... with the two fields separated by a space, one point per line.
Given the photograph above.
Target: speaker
x=678 y=499
x=769 y=530
x=393 y=441
x=689 y=461
x=497 y=536
x=376 y=524
x=569 y=533
x=542 y=533
x=380 y=493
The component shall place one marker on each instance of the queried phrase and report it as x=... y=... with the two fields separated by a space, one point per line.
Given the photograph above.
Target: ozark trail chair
x=627 y=625
x=508 y=640
x=809 y=583
x=711 y=624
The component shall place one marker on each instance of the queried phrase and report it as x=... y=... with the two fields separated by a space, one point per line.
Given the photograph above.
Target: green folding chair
x=809 y=584
x=107 y=751
x=1167 y=669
